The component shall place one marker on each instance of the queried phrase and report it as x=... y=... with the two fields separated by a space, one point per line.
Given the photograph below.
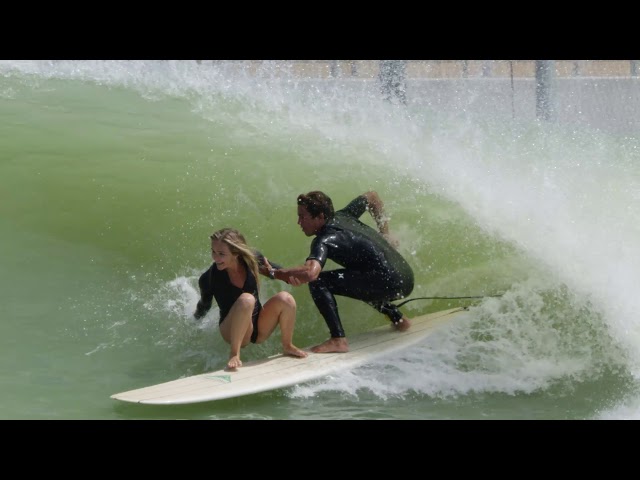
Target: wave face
x=115 y=173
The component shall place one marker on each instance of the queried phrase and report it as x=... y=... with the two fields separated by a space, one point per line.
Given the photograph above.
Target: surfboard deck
x=280 y=371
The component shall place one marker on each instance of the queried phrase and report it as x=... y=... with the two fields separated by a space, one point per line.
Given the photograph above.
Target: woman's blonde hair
x=238 y=246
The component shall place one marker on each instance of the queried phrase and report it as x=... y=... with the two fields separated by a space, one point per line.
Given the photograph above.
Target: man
x=373 y=271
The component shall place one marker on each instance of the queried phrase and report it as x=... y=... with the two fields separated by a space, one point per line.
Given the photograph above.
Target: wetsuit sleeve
x=356 y=207
x=318 y=251
x=260 y=258
x=206 y=295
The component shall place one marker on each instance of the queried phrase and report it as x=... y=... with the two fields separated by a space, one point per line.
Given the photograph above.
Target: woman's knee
x=286 y=299
x=246 y=301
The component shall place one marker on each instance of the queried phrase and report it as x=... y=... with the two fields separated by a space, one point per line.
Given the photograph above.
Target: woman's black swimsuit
x=216 y=284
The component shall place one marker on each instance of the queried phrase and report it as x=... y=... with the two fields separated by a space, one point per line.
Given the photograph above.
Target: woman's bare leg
x=236 y=329
x=280 y=310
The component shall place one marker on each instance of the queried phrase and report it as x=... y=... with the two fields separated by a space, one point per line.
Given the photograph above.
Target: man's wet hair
x=317 y=202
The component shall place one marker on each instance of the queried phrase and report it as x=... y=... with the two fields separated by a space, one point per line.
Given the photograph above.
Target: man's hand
x=395 y=243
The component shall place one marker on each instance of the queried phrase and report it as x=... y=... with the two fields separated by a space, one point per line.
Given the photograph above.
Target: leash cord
x=445 y=298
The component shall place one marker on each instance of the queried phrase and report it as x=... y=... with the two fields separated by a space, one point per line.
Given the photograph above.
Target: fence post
x=333 y=68
x=392 y=77
x=545 y=89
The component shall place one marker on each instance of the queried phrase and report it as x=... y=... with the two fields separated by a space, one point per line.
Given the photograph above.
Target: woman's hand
x=265 y=268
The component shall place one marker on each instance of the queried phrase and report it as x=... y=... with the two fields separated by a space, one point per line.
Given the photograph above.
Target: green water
x=109 y=197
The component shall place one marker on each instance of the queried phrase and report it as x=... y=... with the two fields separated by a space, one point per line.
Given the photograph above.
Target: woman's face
x=222 y=256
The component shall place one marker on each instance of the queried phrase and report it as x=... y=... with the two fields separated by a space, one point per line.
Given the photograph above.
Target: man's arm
x=299 y=275
x=376 y=209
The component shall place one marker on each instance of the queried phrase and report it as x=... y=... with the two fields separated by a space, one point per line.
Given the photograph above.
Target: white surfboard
x=280 y=371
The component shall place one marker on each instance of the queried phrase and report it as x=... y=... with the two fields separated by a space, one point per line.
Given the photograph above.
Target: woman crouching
x=233 y=281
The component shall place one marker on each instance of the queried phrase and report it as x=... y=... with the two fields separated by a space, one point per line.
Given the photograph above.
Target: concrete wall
x=608 y=104
x=444 y=68
x=600 y=94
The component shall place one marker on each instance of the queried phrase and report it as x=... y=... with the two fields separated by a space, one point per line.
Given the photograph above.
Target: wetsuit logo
x=341 y=276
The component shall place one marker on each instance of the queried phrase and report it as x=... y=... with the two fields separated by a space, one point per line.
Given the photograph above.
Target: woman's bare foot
x=403 y=325
x=333 y=345
x=294 y=351
x=234 y=362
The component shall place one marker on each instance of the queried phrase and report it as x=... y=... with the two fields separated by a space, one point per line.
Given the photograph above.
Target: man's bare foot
x=234 y=362
x=333 y=345
x=294 y=351
x=403 y=325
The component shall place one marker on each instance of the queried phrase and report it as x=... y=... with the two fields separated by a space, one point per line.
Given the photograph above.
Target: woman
x=233 y=281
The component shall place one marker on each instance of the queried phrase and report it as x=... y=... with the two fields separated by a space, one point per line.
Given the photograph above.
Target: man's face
x=309 y=225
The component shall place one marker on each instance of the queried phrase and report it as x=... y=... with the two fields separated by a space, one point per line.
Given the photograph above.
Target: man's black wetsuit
x=216 y=283
x=373 y=272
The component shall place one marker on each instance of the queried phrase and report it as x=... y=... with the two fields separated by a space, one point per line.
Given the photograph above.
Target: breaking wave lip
x=491 y=350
